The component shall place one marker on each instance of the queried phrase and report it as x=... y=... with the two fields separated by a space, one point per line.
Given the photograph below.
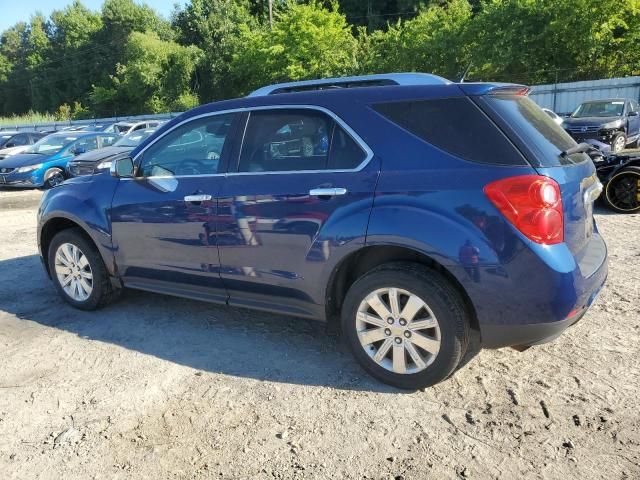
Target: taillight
x=533 y=204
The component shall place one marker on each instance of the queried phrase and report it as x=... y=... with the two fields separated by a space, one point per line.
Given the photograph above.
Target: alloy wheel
x=74 y=272
x=398 y=330
x=619 y=144
x=623 y=191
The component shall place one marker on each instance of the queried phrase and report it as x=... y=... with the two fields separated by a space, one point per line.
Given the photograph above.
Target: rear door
x=301 y=189
x=163 y=220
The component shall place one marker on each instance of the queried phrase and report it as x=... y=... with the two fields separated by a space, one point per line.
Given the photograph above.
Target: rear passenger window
x=455 y=125
x=345 y=152
x=296 y=140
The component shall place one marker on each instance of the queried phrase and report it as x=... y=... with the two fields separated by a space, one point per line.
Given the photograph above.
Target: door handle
x=197 y=198
x=327 y=192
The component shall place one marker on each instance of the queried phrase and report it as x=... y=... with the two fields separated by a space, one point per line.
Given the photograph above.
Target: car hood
x=23 y=159
x=590 y=121
x=100 y=154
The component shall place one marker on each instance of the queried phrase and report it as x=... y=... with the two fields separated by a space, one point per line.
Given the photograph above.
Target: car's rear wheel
x=53 y=177
x=78 y=271
x=622 y=192
x=619 y=142
x=406 y=325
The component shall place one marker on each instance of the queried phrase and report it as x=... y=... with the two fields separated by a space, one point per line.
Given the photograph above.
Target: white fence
x=565 y=97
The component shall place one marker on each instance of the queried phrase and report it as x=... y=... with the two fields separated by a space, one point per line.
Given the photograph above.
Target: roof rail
x=350 y=82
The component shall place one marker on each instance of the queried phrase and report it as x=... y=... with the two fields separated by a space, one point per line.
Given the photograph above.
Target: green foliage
x=214 y=27
x=126 y=59
x=434 y=41
x=306 y=41
x=155 y=77
x=30 y=117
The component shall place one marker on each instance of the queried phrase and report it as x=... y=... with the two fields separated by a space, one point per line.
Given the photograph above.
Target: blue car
x=43 y=164
x=419 y=217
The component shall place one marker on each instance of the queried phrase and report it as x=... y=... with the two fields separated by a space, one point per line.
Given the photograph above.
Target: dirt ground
x=155 y=387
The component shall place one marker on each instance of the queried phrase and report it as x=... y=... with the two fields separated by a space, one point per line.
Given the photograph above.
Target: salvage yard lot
x=157 y=387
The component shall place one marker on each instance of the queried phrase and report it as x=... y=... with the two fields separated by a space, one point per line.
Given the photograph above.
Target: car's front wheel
x=406 y=325
x=619 y=142
x=78 y=271
x=52 y=177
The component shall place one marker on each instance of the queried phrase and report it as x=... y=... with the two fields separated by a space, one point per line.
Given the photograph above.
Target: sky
x=12 y=11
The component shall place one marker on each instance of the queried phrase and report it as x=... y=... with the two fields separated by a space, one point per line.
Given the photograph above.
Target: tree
x=155 y=77
x=434 y=41
x=214 y=26
x=307 y=41
x=67 y=72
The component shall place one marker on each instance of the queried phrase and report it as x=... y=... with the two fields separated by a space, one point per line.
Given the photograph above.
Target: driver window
x=192 y=149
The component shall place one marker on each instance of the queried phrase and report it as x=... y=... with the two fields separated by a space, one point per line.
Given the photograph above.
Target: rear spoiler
x=494 y=89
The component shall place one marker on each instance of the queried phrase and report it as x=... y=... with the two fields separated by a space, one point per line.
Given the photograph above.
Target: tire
x=52 y=177
x=442 y=303
x=101 y=291
x=622 y=191
x=618 y=143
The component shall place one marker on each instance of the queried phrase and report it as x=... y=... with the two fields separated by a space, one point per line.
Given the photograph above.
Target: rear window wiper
x=580 y=148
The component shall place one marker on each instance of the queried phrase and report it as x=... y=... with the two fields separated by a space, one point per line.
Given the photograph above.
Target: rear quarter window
x=529 y=126
x=455 y=125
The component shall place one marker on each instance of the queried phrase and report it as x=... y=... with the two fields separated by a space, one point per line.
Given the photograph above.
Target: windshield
x=51 y=144
x=600 y=109
x=133 y=139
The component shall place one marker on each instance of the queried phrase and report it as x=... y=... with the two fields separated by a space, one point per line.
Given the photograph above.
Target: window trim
x=234 y=163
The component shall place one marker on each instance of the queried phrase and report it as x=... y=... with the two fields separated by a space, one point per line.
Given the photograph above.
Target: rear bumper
x=548 y=302
x=498 y=336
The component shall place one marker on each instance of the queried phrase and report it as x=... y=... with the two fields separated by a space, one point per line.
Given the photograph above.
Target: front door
x=163 y=220
x=634 y=120
x=301 y=191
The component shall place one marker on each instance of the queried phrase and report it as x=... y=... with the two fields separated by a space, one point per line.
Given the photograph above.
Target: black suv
x=613 y=123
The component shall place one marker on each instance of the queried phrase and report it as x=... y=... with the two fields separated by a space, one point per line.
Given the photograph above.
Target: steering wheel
x=191 y=167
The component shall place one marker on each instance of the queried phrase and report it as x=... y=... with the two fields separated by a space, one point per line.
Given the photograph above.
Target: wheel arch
x=55 y=225
x=357 y=263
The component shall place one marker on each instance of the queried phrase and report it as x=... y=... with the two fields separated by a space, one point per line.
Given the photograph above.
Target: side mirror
x=9 y=145
x=79 y=150
x=122 y=168
x=633 y=114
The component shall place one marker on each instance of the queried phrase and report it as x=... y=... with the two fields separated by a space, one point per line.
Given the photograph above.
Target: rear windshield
x=533 y=129
x=455 y=125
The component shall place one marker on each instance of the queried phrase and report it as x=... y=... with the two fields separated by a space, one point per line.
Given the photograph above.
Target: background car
x=100 y=159
x=554 y=116
x=43 y=164
x=122 y=128
x=615 y=122
x=12 y=143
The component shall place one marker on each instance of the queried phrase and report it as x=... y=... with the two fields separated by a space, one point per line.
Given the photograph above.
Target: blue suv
x=412 y=213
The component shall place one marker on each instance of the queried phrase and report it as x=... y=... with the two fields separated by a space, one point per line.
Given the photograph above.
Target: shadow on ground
x=203 y=336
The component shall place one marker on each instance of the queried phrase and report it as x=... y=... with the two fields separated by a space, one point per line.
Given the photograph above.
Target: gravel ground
x=156 y=387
